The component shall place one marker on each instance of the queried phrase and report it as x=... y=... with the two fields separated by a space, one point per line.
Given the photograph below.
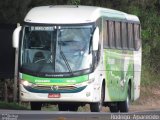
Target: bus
x=77 y=55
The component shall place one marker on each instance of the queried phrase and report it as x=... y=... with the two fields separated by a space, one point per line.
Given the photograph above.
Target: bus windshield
x=56 y=49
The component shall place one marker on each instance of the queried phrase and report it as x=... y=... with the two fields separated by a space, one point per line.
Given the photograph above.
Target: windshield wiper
x=65 y=60
x=64 y=57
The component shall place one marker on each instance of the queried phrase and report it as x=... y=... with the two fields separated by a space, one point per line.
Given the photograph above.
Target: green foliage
x=149 y=77
x=74 y=2
x=151 y=38
x=12 y=106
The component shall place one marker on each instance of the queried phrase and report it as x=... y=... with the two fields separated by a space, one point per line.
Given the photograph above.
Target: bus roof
x=69 y=14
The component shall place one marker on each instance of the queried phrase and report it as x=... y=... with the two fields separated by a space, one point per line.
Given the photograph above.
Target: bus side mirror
x=15 y=37
x=95 y=39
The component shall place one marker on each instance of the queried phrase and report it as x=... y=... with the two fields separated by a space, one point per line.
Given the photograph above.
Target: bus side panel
x=112 y=63
x=127 y=74
x=119 y=70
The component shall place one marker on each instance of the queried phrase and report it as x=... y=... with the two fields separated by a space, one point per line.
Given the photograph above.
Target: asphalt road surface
x=49 y=115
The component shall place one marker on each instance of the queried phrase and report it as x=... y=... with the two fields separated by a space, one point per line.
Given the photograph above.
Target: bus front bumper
x=90 y=94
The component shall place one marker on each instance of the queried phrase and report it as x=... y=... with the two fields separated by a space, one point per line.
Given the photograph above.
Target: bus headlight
x=26 y=83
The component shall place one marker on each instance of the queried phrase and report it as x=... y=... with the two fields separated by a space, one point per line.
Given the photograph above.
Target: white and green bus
x=77 y=55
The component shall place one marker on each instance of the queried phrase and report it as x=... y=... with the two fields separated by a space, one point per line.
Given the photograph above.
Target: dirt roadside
x=149 y=99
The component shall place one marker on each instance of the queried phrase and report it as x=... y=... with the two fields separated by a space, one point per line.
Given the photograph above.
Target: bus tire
x=97 y=107
x=124 y=105
x=94 y=107
x=35 y=105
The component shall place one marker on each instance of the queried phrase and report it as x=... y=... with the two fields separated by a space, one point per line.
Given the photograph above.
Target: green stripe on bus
x=55 y=81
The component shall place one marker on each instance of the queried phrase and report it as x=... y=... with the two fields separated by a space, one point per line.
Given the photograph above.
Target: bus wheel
x=97 y=107
x=114 y=108
x=35 y=105
x=63 y=107
x=124 y=105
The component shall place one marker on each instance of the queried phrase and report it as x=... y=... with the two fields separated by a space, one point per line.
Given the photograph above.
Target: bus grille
x=54 y=87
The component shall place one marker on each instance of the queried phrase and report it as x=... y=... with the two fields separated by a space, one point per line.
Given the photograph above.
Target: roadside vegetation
x=12 y=106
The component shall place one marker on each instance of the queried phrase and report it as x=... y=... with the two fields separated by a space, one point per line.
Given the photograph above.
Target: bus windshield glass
x=56 y=49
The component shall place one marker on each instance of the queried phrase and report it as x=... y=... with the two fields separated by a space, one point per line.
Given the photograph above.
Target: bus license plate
x=54 y=95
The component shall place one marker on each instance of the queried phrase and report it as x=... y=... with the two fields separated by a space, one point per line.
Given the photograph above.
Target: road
x=49 y=115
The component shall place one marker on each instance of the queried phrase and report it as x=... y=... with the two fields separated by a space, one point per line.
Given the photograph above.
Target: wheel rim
x=127 y=102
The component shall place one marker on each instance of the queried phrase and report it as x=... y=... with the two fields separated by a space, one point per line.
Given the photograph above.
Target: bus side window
x=124 y=35
x=118 y=35
x=105 y=34
x=137 y=36
x=111 y=35
x=130 y=36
